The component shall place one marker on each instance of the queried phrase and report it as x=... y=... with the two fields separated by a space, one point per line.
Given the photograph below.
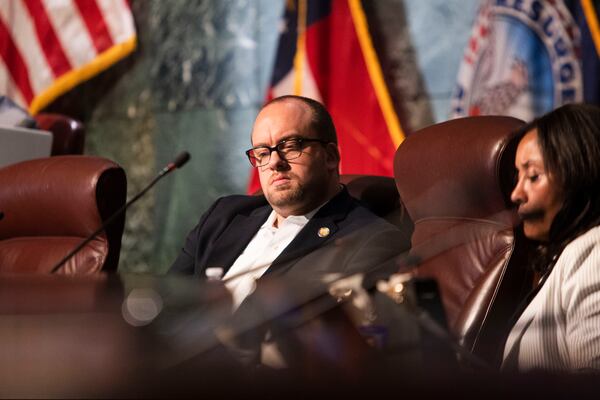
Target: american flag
x=49 y=46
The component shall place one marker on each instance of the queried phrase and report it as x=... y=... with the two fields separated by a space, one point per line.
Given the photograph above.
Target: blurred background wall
x=197 y=80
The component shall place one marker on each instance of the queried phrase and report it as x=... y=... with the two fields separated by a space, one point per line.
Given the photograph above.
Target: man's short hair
x=321 y=121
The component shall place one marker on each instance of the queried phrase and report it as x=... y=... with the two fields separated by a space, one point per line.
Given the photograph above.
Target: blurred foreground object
x=109 y=335
x=87 y=335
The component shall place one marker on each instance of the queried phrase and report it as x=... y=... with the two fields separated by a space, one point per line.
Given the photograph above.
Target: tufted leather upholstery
x=51 y=204
x=455 y=180
x=68 y=133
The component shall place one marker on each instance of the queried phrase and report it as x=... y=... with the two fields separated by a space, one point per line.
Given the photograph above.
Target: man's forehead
x=289 y=107
x=281 y=120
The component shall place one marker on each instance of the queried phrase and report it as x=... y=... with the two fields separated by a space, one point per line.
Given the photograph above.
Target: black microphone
x=179 y=162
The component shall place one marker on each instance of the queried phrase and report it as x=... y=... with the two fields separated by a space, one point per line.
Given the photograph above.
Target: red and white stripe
x=42 y=40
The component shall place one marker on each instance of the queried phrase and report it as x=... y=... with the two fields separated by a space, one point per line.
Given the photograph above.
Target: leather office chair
x=51 y=204
x=379 y=194
x=68 y=133
x=455 y=180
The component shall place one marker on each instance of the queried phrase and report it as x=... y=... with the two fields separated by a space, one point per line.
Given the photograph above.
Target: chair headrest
x=57 y=196
x=459 y=168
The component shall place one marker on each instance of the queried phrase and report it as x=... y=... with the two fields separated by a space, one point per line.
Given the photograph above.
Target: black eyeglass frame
x=279 y=149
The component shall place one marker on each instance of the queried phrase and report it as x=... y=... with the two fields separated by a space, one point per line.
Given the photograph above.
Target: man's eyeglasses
x=288 y=149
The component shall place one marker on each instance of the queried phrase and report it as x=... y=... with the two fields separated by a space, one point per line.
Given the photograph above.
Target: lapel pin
x=323 y=231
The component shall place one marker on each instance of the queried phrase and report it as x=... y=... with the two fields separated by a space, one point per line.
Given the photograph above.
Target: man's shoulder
x=238 y=203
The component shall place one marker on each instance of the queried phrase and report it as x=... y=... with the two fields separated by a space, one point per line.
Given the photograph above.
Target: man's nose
x=276 y=162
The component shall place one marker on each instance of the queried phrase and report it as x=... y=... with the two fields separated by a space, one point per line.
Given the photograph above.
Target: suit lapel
x=234 y=239
x=317 y=232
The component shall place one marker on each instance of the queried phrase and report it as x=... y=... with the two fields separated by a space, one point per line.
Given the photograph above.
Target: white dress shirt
x=263 y=249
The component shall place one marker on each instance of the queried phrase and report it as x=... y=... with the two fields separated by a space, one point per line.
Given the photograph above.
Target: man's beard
x=286 y=196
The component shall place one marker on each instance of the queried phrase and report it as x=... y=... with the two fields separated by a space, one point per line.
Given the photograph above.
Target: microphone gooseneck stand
x=179 y=161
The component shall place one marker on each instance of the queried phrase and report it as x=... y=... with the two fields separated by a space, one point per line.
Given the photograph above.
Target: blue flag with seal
x=527 y=57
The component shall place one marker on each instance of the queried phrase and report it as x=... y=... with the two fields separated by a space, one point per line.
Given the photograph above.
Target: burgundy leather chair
x=51 y=204
x=380 y=195
x=455 y=180
x=68 y=134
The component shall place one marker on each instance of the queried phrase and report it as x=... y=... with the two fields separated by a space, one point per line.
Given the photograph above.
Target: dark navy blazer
x=358 y=241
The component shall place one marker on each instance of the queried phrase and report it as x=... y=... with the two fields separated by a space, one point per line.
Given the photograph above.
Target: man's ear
x=333 y=155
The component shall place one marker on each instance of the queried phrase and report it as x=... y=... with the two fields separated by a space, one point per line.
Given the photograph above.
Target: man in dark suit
x=295 y=151
x=305 y=229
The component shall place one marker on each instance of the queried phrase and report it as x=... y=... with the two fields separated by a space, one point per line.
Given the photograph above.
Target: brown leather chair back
x=51 y=204
x=68 y=134
x=455 y=180
x=380 y=195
